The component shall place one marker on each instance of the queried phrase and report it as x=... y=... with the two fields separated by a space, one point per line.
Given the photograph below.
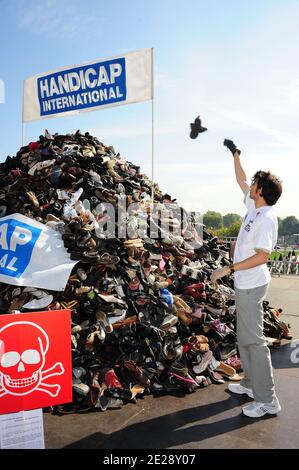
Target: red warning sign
x=35 y=360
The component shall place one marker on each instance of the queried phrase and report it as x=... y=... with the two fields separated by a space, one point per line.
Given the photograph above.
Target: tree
x=212 y=219
x=279 y=220
x=229 y=219
x=233 y=229
x=289 y=225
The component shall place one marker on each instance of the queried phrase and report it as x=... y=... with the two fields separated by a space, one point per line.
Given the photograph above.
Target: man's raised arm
x=239 y=171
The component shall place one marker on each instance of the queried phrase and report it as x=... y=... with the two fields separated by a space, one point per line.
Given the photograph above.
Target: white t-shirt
x=258 y=232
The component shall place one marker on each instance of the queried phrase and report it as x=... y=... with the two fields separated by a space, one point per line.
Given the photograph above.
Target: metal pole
x=152 y=50
x=22 y=134
x=23 y=116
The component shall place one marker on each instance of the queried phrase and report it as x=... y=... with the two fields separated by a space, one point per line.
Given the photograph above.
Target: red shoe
x=286 y=332
x=197 y=291
x=111 y=380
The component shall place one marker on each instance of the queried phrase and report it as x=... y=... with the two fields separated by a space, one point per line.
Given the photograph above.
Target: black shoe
x=231 y=146
x=227 y=350
x=196 y=128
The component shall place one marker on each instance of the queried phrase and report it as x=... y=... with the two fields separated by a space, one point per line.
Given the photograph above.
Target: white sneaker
x=240 y=390
x=39 y=303
x=257 y=409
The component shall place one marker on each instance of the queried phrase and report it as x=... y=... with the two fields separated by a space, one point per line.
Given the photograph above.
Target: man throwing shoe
x=256 y=240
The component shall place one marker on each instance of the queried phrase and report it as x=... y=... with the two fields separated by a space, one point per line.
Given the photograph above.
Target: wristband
x=231 y=268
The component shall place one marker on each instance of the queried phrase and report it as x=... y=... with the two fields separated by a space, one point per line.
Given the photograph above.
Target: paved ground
x=208 y=418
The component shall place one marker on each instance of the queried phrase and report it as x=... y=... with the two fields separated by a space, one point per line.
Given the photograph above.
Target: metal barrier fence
x=284 y=267
x=286 y=262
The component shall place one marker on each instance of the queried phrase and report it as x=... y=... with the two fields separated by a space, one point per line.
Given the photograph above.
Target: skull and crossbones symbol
x=22 y=368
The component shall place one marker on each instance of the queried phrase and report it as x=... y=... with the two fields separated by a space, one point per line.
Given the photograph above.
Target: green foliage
x=231 y=231
x=229 y=219
x=229 y=225
x=212 y=220
x=289 y=225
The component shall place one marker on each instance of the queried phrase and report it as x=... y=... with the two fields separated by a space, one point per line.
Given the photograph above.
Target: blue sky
x=234 y=63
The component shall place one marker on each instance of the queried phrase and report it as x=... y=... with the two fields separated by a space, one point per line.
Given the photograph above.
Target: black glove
x=231 y=146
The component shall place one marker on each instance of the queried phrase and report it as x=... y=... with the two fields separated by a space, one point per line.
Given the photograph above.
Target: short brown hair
x=270 y=184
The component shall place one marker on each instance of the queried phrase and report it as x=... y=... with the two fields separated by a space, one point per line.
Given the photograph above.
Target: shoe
x=223 y=368
x=172 y=348
x=123 y=323
x=201 y=380
x=137 y=390
x=169 y=320
x=108 y=260
x=196 y=128
x=78 y=372
x=231 y=146
x=235 y=378
x=41 y=300
x=183 y=378
x=235 y=362
x=203 y=360
x=240 y=390
x=184 y=317
x=111 y=379
x=257 y=409
x=81 y=388
x=137 y=373
x=104 y=321
x=180 y=303
x=105 y=403
x=214 y=376
x=222 y=351
x=198 y=344
x=172 y=385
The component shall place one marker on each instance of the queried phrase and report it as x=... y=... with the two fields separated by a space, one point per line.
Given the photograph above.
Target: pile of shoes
x=145 y=316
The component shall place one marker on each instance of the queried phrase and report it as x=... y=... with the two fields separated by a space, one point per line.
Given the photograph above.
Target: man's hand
x=232 y=147
x=219 y=273
x=239 y=172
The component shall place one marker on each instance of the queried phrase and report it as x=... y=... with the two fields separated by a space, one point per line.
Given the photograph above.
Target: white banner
x=90 y=86
x=32 y=254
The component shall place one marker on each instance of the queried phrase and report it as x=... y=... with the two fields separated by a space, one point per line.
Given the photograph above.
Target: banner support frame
x=23 y=128
x=152 y=52
x=23 y=124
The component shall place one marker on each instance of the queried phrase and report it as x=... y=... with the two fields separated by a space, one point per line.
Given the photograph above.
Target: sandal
x=223 y=368
x=136 y=390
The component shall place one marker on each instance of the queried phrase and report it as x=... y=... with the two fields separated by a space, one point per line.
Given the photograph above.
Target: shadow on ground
x=286 y=356
x=171 y=430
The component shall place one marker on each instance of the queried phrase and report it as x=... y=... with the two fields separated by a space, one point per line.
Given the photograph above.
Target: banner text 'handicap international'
x=32 y=254
x=89 y=87
x=35 y=360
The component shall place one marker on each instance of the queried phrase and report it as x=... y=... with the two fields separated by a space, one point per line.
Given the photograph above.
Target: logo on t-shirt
x=248 y=226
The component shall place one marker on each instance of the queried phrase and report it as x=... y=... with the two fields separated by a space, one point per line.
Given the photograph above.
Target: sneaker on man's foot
x=240 y=390
x=257 y=409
